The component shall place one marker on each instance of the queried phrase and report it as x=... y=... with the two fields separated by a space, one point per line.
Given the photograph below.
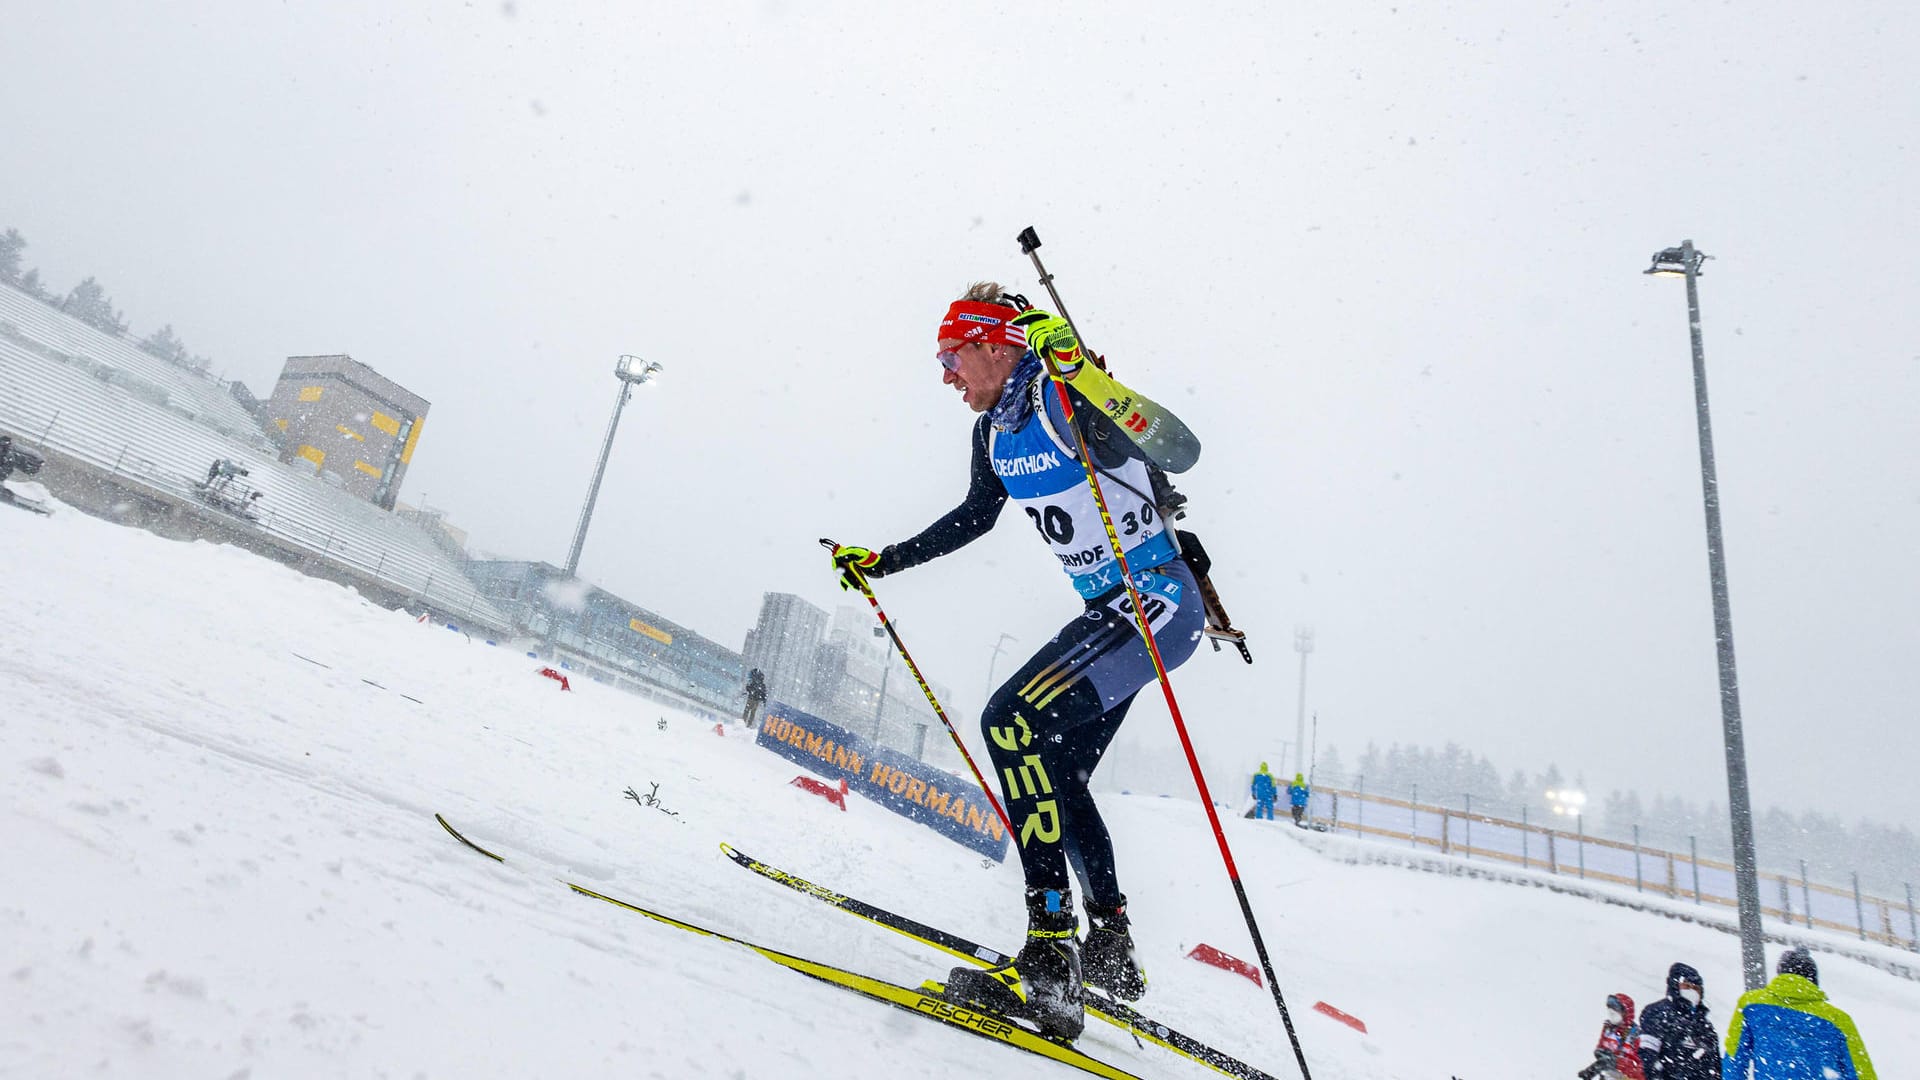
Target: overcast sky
x=1384 y=260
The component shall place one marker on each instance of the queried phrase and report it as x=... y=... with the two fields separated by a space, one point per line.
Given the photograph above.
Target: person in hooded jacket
x=1677 y=1040
x=1616 y=1056
x=1786 y=1030
x=1297 y=794
x=1265 y=793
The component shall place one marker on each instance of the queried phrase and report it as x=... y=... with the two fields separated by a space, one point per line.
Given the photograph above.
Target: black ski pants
x=1048 y=726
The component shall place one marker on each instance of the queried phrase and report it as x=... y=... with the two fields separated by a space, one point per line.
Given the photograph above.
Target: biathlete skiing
x=1047 y=727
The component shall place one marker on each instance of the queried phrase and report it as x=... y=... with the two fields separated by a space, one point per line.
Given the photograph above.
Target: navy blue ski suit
x=1677 y=1040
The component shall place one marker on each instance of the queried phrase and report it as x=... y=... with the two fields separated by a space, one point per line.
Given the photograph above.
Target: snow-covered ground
x=217 y=788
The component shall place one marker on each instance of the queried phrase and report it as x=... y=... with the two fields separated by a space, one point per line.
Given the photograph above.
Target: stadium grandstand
x=619 y=641
x=130 y=437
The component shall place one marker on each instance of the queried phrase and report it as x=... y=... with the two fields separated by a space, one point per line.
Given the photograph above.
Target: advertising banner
x=949 y=805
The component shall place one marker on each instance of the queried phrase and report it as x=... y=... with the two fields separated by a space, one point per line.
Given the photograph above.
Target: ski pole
x=859 y=580
x=1029 y=246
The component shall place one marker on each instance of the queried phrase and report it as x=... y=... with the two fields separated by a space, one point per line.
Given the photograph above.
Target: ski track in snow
x=222 y=862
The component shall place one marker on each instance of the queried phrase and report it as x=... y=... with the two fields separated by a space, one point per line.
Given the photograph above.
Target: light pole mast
x=1686 y=261
x=631 y=371
x=998 y=648
x=1302 y=644
x=886 y=669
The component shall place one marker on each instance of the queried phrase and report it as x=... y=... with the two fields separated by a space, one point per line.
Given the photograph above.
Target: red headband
x=969 y=321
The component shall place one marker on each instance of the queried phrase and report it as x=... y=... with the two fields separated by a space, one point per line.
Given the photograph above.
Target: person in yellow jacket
x=1786 y=1030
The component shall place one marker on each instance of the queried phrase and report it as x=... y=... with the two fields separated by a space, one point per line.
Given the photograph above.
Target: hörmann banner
x=950 y=806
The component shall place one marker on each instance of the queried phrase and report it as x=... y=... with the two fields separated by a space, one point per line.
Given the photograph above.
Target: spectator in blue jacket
x=1786 y=1030
x=1265 y=792
x=1297 y=794
x=1677 y=1041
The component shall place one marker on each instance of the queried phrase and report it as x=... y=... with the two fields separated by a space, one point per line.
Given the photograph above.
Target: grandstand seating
x=71 y=389
x=198 y=397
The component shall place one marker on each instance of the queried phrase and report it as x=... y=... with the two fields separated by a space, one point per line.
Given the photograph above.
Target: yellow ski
x=917 y=1002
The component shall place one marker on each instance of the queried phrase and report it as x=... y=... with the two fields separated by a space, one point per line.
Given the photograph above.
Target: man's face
x=979 y=371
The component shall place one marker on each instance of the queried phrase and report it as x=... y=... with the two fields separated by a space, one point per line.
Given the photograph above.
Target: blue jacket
x=1263 y=789
x=1297 y=793
x=1786 y=1030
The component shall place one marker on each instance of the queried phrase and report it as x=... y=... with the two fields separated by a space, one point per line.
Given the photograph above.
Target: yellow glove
x=1052 y=339
x=853 y=562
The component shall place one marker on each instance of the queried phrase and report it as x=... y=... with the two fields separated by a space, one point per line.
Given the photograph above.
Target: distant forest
x=88 y=301
x=1887 y=857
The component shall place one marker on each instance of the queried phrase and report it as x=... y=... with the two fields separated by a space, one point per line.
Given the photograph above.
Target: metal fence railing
x=1791 y=899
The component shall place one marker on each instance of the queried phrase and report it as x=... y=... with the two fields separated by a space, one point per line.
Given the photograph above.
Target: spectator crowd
x=1785 y=1030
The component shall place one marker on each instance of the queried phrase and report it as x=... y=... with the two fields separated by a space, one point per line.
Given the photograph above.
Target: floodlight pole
x=999 y=647
x=886 y=669
x=631 y=371
x=1302 y=644
x=1687 y=260
x=630 y=376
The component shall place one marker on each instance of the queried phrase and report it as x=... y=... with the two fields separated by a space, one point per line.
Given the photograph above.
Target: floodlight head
x=632 y=369
x=1677 y=262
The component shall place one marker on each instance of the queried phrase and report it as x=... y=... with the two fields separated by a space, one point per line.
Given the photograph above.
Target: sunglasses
x=950 y=358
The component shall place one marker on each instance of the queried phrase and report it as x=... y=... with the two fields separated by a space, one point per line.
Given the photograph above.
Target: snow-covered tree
x=12 y=244
x=163 y=344
x=90 y=303
x=1329 y=769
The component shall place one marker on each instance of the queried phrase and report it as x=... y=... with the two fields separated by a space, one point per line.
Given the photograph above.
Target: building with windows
x=783 y=643
x=842 y=669
x=352 y=425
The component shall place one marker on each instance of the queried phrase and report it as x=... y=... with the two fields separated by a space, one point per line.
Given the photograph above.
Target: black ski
x=918 y=1002
x=1113 y=1012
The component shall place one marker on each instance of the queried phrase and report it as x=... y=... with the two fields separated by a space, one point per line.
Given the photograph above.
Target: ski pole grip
x=1029 y=240
x=828 y=544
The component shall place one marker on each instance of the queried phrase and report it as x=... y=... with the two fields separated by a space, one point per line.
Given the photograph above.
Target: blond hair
x=988 y=292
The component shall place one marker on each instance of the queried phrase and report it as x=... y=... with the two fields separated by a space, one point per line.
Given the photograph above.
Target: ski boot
x=1106 y=959
x=1041 y=985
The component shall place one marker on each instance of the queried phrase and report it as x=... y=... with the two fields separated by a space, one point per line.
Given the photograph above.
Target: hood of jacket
x=1680 y=973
